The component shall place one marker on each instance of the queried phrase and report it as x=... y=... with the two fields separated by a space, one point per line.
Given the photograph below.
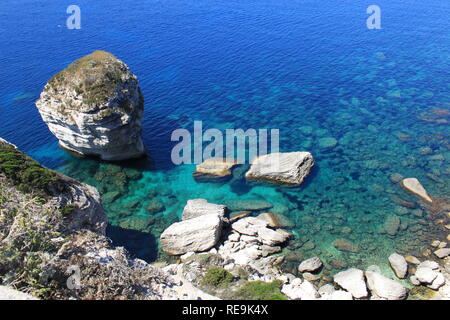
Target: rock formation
x=94 y=107
x=214 y=169
x=286 y=168
x=415 y=187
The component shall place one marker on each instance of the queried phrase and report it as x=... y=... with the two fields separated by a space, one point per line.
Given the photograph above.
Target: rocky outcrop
x=415 y=187
x=286 y=168
x=385 y=288
x=59 y=223
x=192 y=235
x=214 y=169
x=95 y=107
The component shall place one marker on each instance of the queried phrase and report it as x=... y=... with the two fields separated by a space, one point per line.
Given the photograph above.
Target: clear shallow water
x=311 y=69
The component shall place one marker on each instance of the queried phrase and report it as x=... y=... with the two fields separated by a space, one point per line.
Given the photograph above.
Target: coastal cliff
x=51 y=226
x=95 y=107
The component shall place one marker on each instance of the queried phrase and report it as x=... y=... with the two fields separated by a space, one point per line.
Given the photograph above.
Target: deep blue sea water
x=309 y=68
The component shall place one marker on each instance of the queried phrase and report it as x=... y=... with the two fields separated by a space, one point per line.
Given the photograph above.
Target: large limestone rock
x=199 y=207
x=415 y=187
x=94 y=107
x=399 y=265
x=215 y=169
x=352 y=280
x=385 y=288
x=192 y=235
x=286 y=168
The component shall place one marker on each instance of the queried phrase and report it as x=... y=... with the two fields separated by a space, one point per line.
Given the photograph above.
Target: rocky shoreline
x=250 y=243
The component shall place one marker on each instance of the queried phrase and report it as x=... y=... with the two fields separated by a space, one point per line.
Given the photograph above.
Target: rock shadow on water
x=139 y=244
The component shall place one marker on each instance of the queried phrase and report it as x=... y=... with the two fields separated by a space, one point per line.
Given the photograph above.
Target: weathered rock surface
x=199 y=207
x=353 y=281
x=214 y=168
x=287 y=168
x=385 y=288
x=415 y=187
x=310 y=265
x=192 y=235
x=391 y=225
x=94 y=107
x=442 y=253
x=251 y=226
x=298 y=289
x=7 y=293
x=275 y=220
x=345 y=245
x=399 y=265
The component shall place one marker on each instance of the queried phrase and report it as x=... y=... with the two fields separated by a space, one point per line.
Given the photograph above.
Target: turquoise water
x=311 y=70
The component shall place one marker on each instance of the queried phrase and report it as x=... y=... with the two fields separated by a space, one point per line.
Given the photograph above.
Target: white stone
x=290 y=168
x=341 y=295
x=310 y=265
x=442 y=253
x=399 y=265
x=438 y=282
x=352 y=280
x=426 y=275
x=248 y=226
x=386 y=288
x=415 y=187
x=198 y=207
x=196 y=234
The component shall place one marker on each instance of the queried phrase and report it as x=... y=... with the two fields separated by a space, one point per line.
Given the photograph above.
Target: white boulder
x=288 y=168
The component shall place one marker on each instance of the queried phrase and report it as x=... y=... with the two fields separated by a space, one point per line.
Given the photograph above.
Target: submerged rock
x=276 y=220
x=95 y=107
x=345 y=245
x=415 y=187
x=327 y=143
x=7 y=293
x=391 y=225
x=214 y=168
x=442 y=253
x=286 y=168
x=247 y=204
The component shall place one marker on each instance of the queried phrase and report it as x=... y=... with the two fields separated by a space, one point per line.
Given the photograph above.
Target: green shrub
x=216 y=277
x=259 y=290
x=25 y=173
